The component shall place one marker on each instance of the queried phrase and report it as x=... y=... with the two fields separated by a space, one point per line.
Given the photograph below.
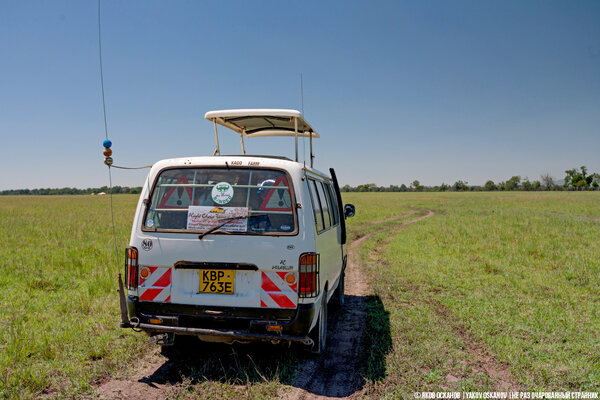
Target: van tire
x=338 y=300
x=319 y=332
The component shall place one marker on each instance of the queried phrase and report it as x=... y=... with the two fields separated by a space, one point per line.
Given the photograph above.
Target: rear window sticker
x=203 y=218
x=150 y=223
x=222 y=193
x=285 y=227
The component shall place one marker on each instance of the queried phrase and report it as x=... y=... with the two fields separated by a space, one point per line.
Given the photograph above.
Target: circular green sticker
x=222 y=193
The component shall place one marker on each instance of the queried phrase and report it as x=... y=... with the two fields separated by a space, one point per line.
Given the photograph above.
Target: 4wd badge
x=222 y=193
x=147 y=244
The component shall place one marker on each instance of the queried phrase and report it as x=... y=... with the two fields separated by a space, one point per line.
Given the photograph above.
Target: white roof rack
x=263 y=123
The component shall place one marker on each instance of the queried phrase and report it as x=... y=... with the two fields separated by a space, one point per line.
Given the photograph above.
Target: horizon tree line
x=575 y=179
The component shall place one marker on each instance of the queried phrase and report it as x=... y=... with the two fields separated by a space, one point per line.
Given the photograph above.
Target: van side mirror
x=349 y=210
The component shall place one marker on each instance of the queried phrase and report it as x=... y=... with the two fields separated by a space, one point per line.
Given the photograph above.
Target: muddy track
x=337 y=374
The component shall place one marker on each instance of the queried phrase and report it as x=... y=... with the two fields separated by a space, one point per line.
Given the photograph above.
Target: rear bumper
x=231 y=324
x=233 y=335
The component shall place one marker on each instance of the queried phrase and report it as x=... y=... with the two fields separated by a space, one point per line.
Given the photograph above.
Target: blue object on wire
x=107 y=143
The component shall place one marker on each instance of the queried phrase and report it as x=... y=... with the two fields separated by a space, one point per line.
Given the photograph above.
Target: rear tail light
x=309 y=275
x=131 y=268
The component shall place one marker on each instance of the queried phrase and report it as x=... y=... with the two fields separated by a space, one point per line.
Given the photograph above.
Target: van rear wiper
x=225 y=222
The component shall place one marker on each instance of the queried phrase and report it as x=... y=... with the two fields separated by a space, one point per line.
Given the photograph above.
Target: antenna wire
x=110 y=191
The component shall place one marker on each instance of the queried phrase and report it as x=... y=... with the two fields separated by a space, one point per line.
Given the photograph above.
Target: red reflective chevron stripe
x=156 y=286
x=282 y=275
x=150 y=294
x=276 y=292
x=282 y=300
x=164 y=280
x=268 y=285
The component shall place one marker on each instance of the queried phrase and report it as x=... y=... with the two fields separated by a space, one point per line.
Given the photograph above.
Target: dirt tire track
x=396 y=218
x=339 y=372
x=480 y=356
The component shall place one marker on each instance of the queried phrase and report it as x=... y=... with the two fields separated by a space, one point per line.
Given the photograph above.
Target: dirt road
x=339 y=373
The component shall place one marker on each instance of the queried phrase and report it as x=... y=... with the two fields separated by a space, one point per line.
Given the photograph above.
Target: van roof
x=263 y=122
x=228 y=160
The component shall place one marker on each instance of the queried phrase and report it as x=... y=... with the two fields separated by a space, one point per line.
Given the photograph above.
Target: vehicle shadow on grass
x=358 y=341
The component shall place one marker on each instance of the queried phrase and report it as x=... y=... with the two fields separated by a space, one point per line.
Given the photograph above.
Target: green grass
x=58 y=328
x=513 y=276
x=514 y=273
x=374 y=210
x=59 y=313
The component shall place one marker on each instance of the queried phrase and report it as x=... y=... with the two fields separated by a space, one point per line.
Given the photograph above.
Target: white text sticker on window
x=203 y=218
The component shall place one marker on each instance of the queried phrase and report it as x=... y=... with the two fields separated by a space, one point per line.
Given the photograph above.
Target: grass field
x=57 y=293
x=511 y=276
x=492 y=289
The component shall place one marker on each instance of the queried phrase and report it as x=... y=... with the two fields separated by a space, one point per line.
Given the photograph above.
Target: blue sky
x=431 y=90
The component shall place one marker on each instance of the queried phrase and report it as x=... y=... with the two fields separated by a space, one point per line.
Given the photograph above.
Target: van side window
x=335 y=215
x=324 y=205
x=316 y=205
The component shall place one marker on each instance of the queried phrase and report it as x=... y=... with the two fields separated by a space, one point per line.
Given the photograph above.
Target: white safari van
x=237 y=247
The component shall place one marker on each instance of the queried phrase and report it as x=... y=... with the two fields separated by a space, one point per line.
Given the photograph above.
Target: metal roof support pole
x=311 y=154
x=217 y=150
x=243 y=148
x=296 y=135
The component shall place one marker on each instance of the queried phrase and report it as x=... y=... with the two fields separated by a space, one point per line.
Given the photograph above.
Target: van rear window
x=238 y=200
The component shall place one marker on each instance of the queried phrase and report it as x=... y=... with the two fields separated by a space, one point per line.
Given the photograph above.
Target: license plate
x=217 y=281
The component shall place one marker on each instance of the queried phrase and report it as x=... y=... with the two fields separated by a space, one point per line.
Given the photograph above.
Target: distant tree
x=444 y=187
x=576 y=179
x=460 y=186
x=403 y=188
x=513 y=183
x=417 y=185
x=569 y=176
x=587 y=178
x=367 y=187
x=537 y=185
x=490 y=186
x=527 y=185
x=547 y=181
x=595 y=180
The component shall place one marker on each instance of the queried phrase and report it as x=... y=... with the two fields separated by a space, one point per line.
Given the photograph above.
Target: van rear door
x=220 y=235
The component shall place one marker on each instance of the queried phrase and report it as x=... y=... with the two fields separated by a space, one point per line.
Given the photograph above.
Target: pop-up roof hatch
x=263 y=123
